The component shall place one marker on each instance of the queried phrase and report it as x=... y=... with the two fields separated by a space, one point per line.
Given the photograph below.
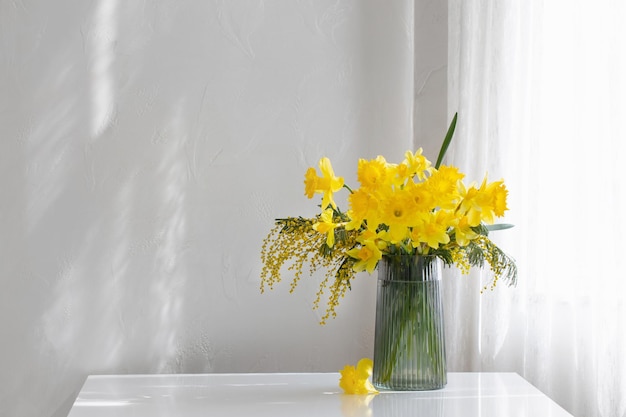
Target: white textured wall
x=431 y=119
x=145 y=148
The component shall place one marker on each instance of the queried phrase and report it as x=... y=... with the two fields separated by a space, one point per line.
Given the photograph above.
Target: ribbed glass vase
x=409 y=345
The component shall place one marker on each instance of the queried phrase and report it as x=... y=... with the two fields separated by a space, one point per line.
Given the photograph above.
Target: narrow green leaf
x=446 y=141
x=499 y=226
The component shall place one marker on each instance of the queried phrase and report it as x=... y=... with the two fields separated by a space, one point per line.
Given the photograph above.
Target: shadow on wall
x=96 y=226
x=147 y=150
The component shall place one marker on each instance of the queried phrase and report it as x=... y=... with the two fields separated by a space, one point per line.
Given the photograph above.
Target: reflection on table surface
x=304 y=394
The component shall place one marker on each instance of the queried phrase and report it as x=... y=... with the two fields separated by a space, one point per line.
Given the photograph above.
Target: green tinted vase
x=409 y=346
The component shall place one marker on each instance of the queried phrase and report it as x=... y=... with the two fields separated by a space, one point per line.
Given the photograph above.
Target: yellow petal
x=356 y=380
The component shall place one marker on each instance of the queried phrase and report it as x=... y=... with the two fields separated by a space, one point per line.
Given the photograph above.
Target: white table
x=303 y=395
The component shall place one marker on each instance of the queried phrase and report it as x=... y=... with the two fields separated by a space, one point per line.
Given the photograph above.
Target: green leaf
x=500 y=226
x=446 y=141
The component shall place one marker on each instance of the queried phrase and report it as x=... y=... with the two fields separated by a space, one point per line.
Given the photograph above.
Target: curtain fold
x=539 y=88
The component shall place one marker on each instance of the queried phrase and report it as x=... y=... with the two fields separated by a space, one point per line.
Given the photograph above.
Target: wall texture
x=146 y=147
x=431 y=118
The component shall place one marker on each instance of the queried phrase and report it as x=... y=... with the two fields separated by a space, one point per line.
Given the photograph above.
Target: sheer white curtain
x=540 y=87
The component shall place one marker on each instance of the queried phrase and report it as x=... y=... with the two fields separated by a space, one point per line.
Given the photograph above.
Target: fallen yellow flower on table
x=356 y=380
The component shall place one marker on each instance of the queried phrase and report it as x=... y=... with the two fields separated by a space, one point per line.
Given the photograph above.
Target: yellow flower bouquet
x=405 y=219
x=411 y=208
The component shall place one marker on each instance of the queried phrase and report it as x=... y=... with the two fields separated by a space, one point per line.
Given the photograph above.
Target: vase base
x=400 y=387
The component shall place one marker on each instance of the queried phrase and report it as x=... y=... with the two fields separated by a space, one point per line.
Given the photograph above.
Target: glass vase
x=409 y=345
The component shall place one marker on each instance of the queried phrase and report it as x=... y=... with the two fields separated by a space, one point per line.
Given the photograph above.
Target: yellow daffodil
x=443 y=186
x=483 y=204
x=362 y=206
x=327 y=184
x=472 y=203
x=331 y=184
x=372 y=174
x=327 y=226
x=399 y=213
x=499 y=194
x=417 y=164
x=367 y=256
x=380 y=238
x=464 y=232
x=401 y=175
x=310 y=182
x=356 y=380
x=422 y=196
x=433 y=231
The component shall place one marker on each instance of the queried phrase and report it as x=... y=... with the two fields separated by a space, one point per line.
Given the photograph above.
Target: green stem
x=409 y=340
